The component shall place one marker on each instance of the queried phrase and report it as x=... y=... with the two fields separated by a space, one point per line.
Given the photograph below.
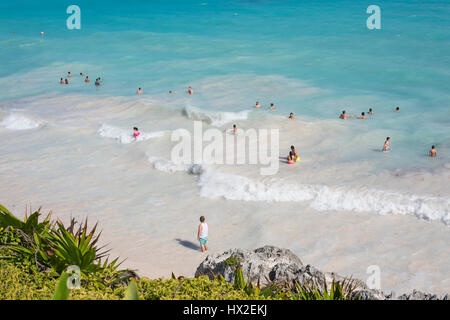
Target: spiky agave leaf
x=132 y=292
x=62 y=291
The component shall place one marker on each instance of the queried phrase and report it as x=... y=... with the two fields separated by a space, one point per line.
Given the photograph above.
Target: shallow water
x=344 y=207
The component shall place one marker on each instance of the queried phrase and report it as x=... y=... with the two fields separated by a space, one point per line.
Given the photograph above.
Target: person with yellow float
x=293 y=156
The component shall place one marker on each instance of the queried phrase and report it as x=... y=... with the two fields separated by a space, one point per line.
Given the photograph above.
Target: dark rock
x=264 y=264
x=271 y=264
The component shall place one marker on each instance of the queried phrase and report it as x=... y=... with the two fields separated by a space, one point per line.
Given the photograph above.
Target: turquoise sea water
x=168 y=45
x=345 y=205
x=160 y=45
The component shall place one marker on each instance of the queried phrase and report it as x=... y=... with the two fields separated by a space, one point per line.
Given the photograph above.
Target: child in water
x=386 y=146
x=136 y=133
x=363 y=116
x=293 y=156
x=433 y=152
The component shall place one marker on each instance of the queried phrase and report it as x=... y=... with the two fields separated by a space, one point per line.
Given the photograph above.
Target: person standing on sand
x=433 y=152
x=202 y=234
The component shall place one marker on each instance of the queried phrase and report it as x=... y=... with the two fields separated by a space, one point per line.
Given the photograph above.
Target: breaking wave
x=215 y=118
x=126 y=136
x=234 y=187
x=16 y=121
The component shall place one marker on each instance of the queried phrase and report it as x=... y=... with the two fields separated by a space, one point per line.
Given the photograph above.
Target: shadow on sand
x=188 y=244
x=283 y=159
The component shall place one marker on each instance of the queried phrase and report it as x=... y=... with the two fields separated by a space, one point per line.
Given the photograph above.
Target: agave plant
x=71 y=246
x=53 y=246
x=250 y=288
x=339 y=290
x=29 y=225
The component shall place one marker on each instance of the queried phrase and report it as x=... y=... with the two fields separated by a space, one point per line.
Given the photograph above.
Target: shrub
x=17 y=283
x=48 y=245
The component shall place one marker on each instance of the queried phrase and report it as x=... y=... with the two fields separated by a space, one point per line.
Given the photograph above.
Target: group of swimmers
x=87 y=80
x=258 y=105
x=190 y=91
x=362 y=116
x=386 y=147
x=344 y=116
x=293 y=154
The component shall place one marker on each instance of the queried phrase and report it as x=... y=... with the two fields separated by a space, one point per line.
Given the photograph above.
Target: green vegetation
x=35 y=256
x=232 y=262
x=46 y=246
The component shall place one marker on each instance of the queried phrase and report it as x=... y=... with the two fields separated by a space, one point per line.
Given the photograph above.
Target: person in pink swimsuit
x=136 y=133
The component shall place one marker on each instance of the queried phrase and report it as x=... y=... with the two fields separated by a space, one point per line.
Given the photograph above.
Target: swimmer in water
x=69 y=74
x=433 y=152
x=66 y=81
x=370 y=111
x=291 y=116
x=81 y=74
x=234 y=129
x=139 y=91
x=293 y=155
x=363 y=116
x=344 y=115
x=87 y=79
x=257 y=105
x=171 y=92
x=97 y=82
x=386 y=146
x=397 y=109
x=272 y=106
x=136 y=133
x=190 y=91
x=61 y=81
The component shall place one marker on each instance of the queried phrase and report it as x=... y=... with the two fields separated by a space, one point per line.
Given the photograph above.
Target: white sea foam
x=126 y=136
x=172 y=167
x=16 y=121
x=324 y=198
x=215 y=118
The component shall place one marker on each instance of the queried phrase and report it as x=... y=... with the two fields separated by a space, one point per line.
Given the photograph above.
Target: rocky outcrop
x=264 y=264
x=271 y=264
x=418 y=295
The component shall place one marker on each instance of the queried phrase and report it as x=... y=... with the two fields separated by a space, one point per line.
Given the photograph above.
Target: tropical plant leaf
x=62 y=291
x=132 y=292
